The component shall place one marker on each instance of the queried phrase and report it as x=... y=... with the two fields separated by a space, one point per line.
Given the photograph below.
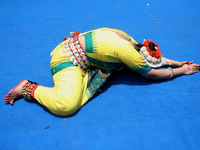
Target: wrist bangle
x=172 y=72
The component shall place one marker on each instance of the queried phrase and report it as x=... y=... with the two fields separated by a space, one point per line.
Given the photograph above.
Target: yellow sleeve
x=134 y=60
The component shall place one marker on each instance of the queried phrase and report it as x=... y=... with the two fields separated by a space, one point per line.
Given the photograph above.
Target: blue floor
x=131 y=112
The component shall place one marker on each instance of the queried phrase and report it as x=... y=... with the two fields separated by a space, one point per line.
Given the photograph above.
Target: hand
x=190 y=68
x=186 y=62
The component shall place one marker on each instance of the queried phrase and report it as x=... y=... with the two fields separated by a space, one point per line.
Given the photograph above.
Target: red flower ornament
x=155 y=54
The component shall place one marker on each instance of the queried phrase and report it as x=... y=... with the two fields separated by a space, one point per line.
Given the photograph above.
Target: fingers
x=196 y=70
x=194 y=67
x=188 y=62
x=191 y=68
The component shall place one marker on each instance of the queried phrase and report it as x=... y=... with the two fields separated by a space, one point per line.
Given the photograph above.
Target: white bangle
x=172 y=72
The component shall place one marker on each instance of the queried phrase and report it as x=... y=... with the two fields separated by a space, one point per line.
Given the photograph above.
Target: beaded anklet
x=28 y=90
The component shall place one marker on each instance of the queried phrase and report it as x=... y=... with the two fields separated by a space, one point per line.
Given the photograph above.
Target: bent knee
x=65 y=108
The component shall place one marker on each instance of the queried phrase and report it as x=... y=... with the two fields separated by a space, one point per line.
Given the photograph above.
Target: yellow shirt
x=105 y=49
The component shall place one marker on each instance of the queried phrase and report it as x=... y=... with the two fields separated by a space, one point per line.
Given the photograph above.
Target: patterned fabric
x=96 y=79
x=77 y=55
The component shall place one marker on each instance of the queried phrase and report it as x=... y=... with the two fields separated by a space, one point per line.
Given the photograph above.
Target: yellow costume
x=105 y=50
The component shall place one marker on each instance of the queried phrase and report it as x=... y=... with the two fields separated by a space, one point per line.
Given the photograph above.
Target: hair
x=151 y=46
x=138 y=47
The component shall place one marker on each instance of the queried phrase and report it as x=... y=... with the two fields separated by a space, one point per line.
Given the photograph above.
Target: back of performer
x=109 y=48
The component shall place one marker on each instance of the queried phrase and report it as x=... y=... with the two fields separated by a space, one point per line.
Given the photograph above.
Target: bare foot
x=15 y=93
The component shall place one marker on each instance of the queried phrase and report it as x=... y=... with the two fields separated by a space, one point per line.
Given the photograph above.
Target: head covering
x=153 y=58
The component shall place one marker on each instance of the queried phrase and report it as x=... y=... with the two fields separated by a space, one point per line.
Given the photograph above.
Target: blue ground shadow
x=131 y=112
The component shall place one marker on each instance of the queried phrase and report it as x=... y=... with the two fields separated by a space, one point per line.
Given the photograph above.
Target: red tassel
x=75 y=34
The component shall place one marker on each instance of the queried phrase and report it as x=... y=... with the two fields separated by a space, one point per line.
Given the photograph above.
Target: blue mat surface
x=131 y=112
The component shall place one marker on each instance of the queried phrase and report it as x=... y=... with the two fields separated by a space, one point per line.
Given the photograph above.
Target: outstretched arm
x=174 y=63
x=160 y=74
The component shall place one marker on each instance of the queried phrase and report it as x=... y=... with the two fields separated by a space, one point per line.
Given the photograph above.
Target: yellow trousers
x=68 y=93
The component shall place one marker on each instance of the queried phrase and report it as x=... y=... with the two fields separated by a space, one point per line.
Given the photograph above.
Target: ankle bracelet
x=28 y=90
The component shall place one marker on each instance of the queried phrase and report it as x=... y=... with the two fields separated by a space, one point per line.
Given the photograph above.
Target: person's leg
x=65 y=98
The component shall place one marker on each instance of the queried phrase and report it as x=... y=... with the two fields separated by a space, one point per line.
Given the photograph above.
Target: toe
x=7 y=100
x=13 y=94
x=12 y=102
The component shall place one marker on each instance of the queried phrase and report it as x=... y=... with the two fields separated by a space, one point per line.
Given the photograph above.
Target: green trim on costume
x=89 y=47
x=88 y=94
x=143 y=70
x=60 y=67
x=105 y=65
